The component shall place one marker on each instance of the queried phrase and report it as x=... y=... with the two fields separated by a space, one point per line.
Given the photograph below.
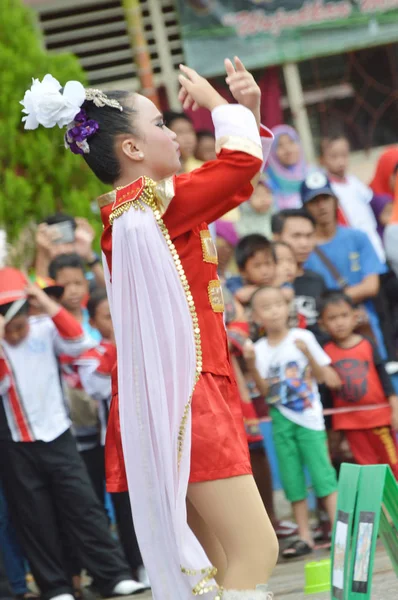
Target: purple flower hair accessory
x=79 y=131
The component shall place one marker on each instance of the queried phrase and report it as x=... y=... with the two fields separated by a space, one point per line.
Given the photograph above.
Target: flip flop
x=297 y=549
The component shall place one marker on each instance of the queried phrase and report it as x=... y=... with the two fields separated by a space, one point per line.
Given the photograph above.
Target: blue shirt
x=354 y=257
x=88 y=328
x=234 y=283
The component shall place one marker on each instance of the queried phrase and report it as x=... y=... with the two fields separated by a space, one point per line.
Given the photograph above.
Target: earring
x=141 y=155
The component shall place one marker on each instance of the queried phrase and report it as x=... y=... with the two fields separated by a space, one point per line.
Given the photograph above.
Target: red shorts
x=219 y=445
x=376 y=446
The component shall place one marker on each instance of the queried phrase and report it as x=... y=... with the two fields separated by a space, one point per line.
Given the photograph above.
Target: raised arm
x=209 y=192
x=69 y=337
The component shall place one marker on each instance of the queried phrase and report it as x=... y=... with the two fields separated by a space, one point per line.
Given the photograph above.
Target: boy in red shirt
x=365 y=382
x=94 y=369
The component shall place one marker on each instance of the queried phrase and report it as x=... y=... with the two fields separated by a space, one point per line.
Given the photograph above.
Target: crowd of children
x=306 y=286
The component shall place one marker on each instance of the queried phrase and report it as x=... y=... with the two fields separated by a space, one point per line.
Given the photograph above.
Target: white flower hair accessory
x=45 y=104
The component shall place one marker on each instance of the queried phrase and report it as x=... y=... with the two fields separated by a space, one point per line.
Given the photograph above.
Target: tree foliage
x=38 y=175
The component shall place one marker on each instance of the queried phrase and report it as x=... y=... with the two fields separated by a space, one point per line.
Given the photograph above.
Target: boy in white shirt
x=44 y=479
x=354 y=196
x=287 y=366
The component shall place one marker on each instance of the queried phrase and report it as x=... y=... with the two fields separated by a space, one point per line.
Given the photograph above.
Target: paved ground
x=288 y=580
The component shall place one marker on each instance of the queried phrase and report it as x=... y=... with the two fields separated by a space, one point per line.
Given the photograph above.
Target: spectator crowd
x=308 y=267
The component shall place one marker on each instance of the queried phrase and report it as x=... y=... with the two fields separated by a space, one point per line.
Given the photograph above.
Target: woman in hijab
x=286 y=167
x=382 y=182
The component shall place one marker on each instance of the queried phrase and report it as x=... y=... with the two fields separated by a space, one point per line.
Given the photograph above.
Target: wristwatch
x=96 y=260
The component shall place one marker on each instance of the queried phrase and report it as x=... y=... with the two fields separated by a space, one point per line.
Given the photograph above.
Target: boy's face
x=17 y=330
x=261 y=199
x=339 y=320
x=103 y=321
x=206 y=149
x=286 y=264
x=260 y=268
x=336 y=157
x=75 y=287
x=299 y=233
x=270 y=309
x=186 y=137
x=323 y=209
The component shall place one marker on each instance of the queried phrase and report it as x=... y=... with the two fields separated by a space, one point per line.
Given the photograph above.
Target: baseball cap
x=12 y=285
x=49 y=286
x=315 y=184
x=12 y=292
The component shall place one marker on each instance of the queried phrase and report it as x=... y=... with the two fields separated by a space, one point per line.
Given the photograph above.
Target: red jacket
x=198 y=198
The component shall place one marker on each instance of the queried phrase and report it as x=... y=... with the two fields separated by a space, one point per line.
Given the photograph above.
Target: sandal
x=297 y=549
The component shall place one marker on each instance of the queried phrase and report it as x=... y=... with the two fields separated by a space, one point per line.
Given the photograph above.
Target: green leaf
x=38 y=175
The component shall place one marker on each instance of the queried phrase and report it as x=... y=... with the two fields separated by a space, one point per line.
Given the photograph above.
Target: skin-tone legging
x=229 y=519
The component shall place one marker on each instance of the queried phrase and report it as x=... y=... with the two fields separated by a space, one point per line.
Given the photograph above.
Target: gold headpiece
x=101 y=99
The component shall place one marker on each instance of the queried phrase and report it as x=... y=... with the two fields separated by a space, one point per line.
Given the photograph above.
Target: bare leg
x=330 y=504
x=263 y=478
x=209 y=542
x=233 y=510
x=300 y=511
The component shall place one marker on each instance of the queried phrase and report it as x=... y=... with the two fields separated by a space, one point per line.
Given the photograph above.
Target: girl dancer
x=181 y=425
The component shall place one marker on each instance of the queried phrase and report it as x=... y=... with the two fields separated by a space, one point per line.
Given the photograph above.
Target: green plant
x=38 y=175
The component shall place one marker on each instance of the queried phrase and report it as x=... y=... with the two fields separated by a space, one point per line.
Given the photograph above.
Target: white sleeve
x=72 y=347
x=316 y=350
x=363 y=191
x=236 y=129
x=96 y=385
x=235 y=120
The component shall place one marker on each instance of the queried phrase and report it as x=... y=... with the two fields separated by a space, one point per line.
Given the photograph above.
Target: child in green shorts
x=286 y=366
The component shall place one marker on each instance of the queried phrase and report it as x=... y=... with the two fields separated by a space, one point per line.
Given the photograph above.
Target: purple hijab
x=285 y=181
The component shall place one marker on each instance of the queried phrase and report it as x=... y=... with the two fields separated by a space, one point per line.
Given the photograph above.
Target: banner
x=270 y=32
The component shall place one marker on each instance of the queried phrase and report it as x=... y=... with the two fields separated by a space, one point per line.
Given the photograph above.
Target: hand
x=44 y=238
x=249 y=355
x=287 y=291
x=243 y=86
x=35 y=295
x=362 y=316
x=39 y=299
x=196 y=91
x=244 y=294
x=302 y=346
x=332 y=380
x=84 y=237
